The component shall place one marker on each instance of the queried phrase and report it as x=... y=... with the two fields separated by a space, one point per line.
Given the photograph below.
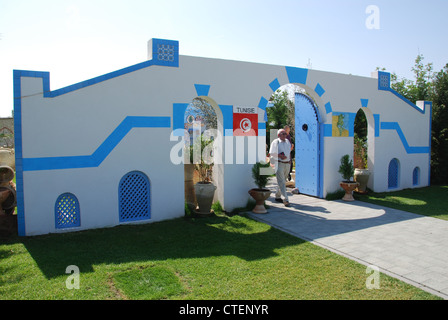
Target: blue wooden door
x=307 y=146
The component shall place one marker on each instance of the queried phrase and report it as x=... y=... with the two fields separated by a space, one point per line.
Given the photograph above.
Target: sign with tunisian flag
x=245 y=121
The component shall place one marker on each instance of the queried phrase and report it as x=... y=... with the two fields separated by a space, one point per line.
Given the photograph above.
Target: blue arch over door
x=307 y=146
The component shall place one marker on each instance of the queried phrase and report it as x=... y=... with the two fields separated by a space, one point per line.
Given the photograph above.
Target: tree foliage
x=207 y=113
x=280 y=114
x=439 y=139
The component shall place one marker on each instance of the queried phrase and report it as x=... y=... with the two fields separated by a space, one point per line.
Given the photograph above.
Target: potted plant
x=204 y=189
x=361 y=173
x=347 y=170
x=260 y=194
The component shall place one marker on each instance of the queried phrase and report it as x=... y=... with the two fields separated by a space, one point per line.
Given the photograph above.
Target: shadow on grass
x=173 y=239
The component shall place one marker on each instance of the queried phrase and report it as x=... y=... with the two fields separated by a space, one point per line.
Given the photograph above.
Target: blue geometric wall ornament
x=364 y=103
x=297 y=75
x=319 y=90
x=383 y=80
x=164 y=52
x=274 y=85
x=202 y=89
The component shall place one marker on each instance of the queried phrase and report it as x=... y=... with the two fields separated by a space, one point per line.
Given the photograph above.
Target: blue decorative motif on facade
x=274 y=85
x=319 y=90
x=202 y=89
x=101 y=153
x=297 y=75
x=383 y=80
x=165 y=52
x=409 y=149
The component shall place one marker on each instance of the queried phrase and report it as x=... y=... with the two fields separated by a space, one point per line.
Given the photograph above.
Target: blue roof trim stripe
x=96 y=80
x=407 y=101
x=94 y=160
x=395 y=126
x=384 y=85
x=83 y=84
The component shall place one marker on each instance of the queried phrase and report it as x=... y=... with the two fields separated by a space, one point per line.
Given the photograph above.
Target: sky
x=76 y=40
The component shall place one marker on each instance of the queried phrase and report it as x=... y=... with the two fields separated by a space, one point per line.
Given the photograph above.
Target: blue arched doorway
x=307 y=146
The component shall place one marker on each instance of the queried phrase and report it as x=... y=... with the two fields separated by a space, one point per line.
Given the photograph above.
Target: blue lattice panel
x=67 y=214
x=134 y=197
x=416 y=176
x=392 y=180
x=383 y=80
x=165 y=52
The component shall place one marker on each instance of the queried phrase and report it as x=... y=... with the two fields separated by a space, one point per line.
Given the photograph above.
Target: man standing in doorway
x=280 y=152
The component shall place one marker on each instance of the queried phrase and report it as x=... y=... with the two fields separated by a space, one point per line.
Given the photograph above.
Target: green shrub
x=260 y=180
x=346 y=168
x=217 y=208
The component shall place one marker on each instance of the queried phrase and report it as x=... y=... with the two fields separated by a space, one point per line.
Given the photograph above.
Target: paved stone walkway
x=407 y=246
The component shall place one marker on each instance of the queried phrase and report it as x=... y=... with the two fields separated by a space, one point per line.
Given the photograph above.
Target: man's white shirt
x=278 y=146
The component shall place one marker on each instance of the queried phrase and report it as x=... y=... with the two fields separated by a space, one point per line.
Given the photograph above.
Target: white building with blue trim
x=99 y=153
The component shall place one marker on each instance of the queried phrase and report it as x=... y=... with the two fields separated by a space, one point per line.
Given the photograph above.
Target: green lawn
x=207 y=258
x=430 y=201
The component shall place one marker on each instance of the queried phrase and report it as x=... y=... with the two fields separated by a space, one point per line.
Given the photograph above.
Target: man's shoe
x=278 y=199
x=286 y=203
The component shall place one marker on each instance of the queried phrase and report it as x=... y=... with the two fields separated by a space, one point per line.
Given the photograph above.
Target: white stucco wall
x=78 y=122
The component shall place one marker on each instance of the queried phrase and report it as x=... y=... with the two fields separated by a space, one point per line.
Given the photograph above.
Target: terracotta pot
x=348 y=187
x=204 y=196
x=260 y=195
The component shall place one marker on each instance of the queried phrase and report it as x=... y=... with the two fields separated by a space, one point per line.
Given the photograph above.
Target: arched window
x=134 y=197
x=393 y=173
x=416 y=176
x=67 y=213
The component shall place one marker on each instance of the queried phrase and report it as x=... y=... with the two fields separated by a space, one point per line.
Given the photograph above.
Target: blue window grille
x=67 y=213
x=383 y=80
x=393 y=174
x=134 y=197
x=165 y=52
x=416 y=176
